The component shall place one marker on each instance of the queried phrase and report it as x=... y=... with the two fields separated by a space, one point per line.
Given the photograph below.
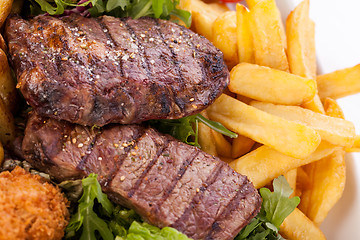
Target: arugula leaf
x=85 y=217
x=276 y=206
x=186 y=129
x=216 y=126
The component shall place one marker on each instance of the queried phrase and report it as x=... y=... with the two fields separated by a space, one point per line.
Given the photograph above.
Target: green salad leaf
x=97 y=218
x=85 y=218
x=276 y=206
x=163 y=9
x=186 y=129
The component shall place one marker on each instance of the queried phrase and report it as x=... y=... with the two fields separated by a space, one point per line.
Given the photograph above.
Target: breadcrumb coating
x=30 y=208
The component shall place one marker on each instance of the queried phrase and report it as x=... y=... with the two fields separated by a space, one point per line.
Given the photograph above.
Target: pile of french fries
x=287 y=117
x=8 y=95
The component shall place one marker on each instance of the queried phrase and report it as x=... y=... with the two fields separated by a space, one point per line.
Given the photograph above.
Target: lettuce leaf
x=276 y=206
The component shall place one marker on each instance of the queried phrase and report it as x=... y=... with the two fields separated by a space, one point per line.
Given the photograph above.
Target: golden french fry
x=268 y=35
x=298 y=227
x=270 y=85
x=244 y=37
x=265 y=128
x=204 y=15
x=314 y=104
x=224 y=37
x=252 y=3
x=226 y=159
x=328 y=181
x=300 y=32
x=223 y=147
x=340 y=83
x=206 y=138
x=3 y=44
x=334 y=130
x=264 y=164
x=356 y=145
x=302 y=181
x=241 y=145
x=5 y=8
x=332 y=108
x=7 y=127
x=7 y=84
x=291 y=176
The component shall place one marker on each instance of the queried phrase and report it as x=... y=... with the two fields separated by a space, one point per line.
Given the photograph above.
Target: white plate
x=338 y=46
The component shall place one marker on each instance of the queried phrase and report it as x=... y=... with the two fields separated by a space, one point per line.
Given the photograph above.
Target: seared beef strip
x=95 y=71
x=167 y=182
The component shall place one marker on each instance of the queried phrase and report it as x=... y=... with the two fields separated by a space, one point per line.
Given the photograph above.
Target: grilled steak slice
x=94 y=71
x=166 y=181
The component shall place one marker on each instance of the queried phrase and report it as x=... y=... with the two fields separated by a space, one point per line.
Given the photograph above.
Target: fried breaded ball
x=30 y=208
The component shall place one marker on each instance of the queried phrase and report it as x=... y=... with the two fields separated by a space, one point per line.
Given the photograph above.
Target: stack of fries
x=287 y=117
x=8 y=94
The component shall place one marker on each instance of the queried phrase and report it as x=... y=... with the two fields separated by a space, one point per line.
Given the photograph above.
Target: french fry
x=241 y=145
x=265 y=128
x=244 y=37
x=244 y=99
x=223 y=147
x=204 y=15
x=264 y=164
x=7 y=84
x=291 y=176
x=334 y=130
x=328 y=180
x=298 y=227
x=206 y=139
x=356 y=145
x=300 y=31
x=5 y=8
x=3 y=44
x=302 y=181
x=315 y=104
x=340 y=83
x=270 y=85
x=7 y=127
x=252 y=3
x=224 y=37
x=268 y=35
x=332 y=108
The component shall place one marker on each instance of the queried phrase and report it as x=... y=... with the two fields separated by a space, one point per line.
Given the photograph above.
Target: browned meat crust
x=30 y=208
x=94 y=71
x=169 y=183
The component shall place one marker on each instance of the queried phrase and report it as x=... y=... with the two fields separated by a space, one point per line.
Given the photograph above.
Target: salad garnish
x=163 y=9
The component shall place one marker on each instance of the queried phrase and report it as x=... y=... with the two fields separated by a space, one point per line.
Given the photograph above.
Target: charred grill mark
x=179 y=175
x=175 y=62
x=88 y=152
x=127 y=150
x=148 y=167
x=141 y=51
x=110 y=43
x=199 y=195
x=196 y=53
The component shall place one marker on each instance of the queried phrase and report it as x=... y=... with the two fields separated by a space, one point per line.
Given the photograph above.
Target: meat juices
x=95 y=71
x=167 y=182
